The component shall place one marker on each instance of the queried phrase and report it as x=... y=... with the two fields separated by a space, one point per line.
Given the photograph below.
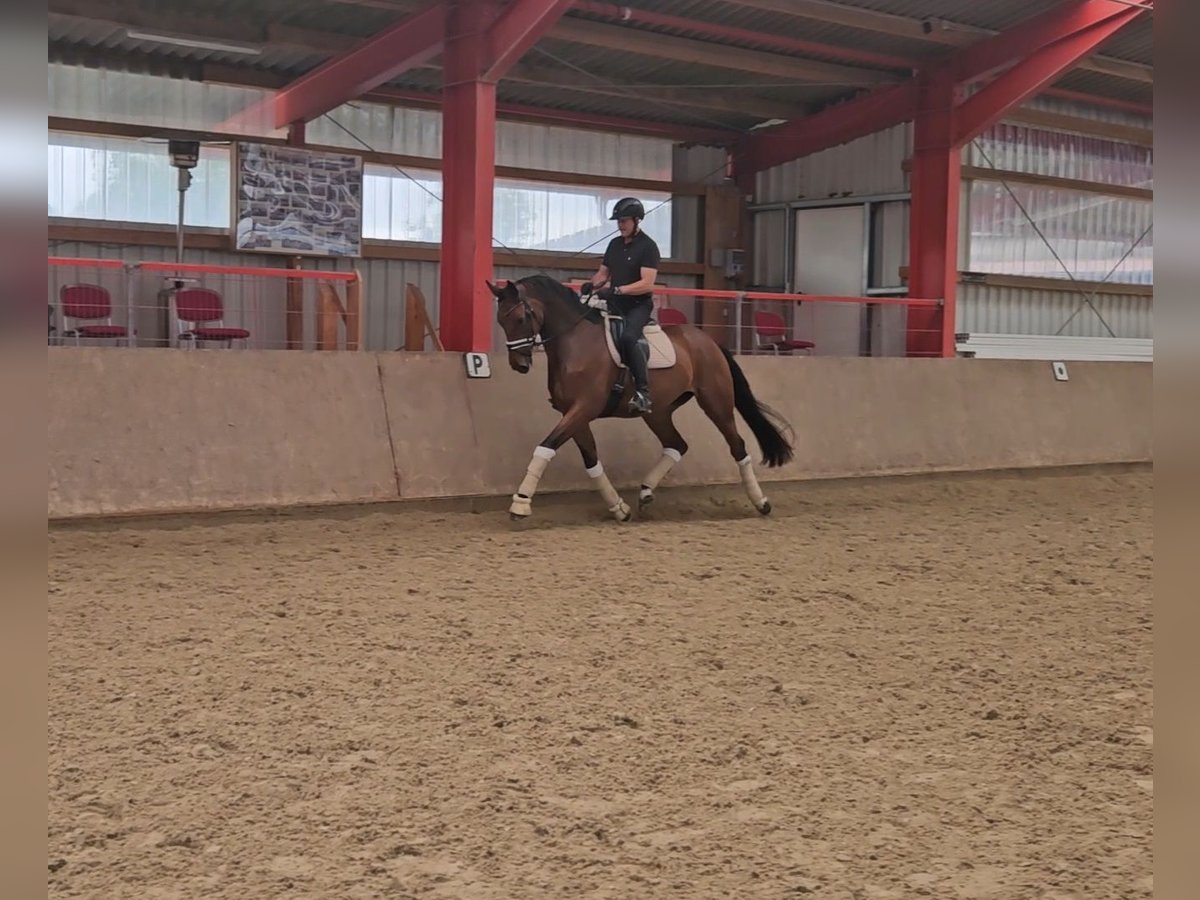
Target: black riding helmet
x=628 y=208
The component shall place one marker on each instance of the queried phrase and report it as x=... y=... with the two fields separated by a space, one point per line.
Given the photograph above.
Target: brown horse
x=585 y=384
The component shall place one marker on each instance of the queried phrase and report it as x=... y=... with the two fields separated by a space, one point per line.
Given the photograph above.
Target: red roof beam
x=985 y=57
x=834 y=125
x=410 y=42
x=517 y=30
x=712 y=30
x=986 y=107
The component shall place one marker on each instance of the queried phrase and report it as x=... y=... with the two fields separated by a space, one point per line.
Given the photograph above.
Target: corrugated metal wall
x=1006 y=310
x=1087 y=111
x=105 y=95
x=872 y=165
x=418 y=132
x=1073 y=234
x=1090 y=232
x=868 y=165
x=1022 y=148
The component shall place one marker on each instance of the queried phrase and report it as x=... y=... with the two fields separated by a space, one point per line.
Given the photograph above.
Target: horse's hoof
x=645 y=499
x=765 y=509
x=621 y=512
x=521 y=508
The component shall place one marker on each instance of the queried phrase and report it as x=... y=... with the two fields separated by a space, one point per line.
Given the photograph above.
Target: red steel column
x=933 y=220
x=468 y=170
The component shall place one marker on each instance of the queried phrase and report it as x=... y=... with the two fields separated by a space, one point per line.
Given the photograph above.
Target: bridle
x=535 y=330
x=535 y=338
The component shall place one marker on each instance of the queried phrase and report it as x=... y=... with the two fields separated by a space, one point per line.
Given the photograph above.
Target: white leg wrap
x=521 y=505
x=661 y=468
x=750 y=482
x=612 y=499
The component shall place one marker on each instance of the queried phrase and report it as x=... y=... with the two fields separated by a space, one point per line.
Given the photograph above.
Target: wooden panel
x=294 y=316
x=328 y=313
x=723 y=230
x=354 y=318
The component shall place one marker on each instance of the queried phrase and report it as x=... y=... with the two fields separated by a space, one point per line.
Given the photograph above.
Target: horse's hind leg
x=586 y=441
x=717 y=402
x=674 y=446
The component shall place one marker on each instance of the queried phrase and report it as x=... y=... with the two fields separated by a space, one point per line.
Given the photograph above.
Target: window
x=526 y=215
x=1089 y=232
x=128 y=180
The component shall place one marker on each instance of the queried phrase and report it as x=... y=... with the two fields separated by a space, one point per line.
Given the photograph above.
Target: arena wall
x=133 y=431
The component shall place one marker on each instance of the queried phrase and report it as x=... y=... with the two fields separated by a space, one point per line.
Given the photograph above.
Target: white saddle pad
x=662 y=348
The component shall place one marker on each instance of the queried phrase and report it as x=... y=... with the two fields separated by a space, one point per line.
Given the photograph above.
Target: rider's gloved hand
x=586 y=289
x=606 y=293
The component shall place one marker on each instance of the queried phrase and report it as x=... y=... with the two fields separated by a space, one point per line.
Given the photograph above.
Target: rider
x=626 y=282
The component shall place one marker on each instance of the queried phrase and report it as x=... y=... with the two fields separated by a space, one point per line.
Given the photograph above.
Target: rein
x=535 y=338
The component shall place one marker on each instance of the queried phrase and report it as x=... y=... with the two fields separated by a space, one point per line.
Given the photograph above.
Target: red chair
x=666 y=315
x=201 y=307
x=771 y=330
x=90 y=303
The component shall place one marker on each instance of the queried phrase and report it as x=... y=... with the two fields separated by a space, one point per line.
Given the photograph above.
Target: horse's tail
x=768 y=425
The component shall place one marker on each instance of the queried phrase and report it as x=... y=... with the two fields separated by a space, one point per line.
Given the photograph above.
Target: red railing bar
x=696 y=292
x=831 y=298
x=765 y=295
x=81 y=262
x=244 y=270
x=89 y=263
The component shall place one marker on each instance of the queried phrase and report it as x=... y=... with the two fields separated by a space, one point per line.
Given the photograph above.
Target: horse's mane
x=546 y=288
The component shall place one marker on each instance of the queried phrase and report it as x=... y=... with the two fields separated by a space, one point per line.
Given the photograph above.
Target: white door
x=829 y=260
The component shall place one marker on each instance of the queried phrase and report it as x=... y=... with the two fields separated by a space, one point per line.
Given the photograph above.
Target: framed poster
x=297 y=201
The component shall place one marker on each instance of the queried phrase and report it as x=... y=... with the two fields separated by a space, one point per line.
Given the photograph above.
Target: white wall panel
x=868 y=165
x=1005 y=310
x=418 y=132
x=106 y=95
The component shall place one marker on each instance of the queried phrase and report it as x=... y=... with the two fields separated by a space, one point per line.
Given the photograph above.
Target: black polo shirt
x=626 y=261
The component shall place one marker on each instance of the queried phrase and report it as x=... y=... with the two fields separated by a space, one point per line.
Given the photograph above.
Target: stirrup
x=640 y=401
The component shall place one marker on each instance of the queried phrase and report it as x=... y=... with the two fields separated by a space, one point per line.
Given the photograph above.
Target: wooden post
x=329 y=310
x=294 y=316
x=722 y=231
x=354 y=312
x=417 y=323
x=414 y=330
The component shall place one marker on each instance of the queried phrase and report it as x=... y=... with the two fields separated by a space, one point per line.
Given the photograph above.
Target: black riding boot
x=638 y=365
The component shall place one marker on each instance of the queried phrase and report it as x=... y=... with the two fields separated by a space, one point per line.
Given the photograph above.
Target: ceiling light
x=198 y=43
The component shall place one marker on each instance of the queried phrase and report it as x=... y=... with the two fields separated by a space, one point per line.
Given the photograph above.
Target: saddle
x=662 y=349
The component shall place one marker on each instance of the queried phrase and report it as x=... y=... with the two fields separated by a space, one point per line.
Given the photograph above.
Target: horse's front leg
x=586 y=441
x=522 y=501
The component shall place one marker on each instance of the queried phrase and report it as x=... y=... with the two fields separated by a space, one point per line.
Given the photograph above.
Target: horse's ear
x=495 y=290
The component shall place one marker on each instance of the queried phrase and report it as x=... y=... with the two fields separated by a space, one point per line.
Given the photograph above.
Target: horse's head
x=521 y=315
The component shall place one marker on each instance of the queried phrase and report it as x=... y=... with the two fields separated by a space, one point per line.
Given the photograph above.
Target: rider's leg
x=636 y=353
